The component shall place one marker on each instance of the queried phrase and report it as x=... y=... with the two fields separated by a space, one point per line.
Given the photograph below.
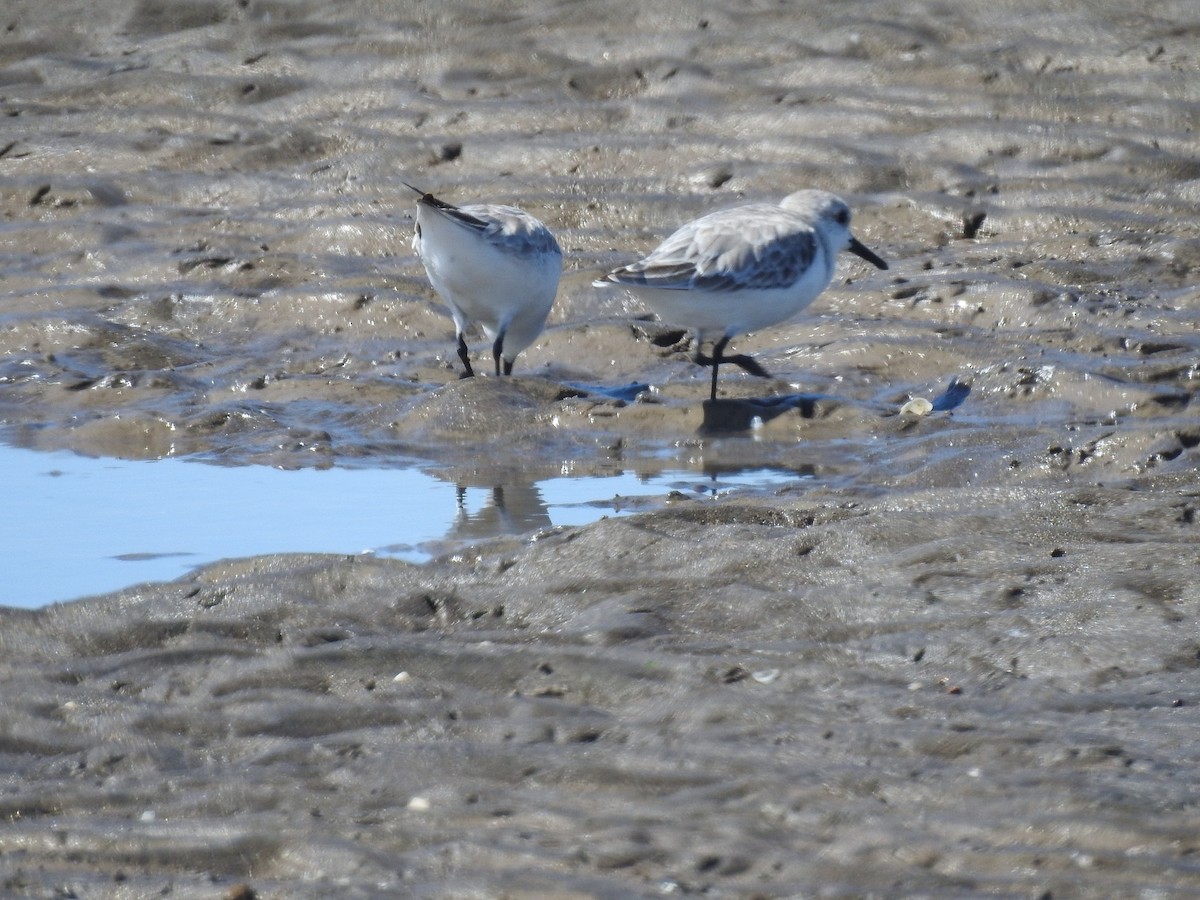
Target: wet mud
x=957 y=657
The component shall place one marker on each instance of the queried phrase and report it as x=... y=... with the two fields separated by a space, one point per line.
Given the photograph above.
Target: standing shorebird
x=494 y=265
x=742 y=269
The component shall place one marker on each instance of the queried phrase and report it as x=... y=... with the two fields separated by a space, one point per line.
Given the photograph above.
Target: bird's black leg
x=498 y=349
x=700 y=359
x=718 y=354
x=741 y=360
x=465 y=356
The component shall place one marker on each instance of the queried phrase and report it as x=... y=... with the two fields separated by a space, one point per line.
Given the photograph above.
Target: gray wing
x=758 y=246
x=509 y=228
x=506 y=227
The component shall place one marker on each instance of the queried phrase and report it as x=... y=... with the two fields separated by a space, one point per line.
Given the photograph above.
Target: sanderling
x=741 y=269
x=494 y=265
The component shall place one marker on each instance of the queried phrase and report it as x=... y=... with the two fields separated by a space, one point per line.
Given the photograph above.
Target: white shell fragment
x=917 y=406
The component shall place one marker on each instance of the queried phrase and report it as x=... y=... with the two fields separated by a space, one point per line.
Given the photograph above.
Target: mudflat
x=957 y=656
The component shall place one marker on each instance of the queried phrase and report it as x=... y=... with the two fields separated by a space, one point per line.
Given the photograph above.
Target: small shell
x=917 y=406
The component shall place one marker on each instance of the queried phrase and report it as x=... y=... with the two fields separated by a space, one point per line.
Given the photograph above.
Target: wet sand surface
x=958 y=658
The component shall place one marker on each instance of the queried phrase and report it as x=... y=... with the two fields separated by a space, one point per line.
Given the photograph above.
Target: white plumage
x=742 y=269
x=494 y=265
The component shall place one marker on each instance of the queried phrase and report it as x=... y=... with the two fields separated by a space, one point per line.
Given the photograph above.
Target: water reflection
x=74 y=526
x=513 y=509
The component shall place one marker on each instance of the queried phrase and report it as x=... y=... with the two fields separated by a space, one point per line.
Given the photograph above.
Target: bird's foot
x=748 y=364
x=741 y=360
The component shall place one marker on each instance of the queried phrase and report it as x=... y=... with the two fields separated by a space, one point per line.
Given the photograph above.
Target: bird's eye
x=843 y=217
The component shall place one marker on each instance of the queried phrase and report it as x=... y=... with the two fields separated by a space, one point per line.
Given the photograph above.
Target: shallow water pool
x=74 y=526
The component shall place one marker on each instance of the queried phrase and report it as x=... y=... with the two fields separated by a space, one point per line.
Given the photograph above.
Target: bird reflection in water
x=513 y=509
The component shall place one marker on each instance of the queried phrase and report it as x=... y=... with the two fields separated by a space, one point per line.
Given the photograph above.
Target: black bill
x=858 y=248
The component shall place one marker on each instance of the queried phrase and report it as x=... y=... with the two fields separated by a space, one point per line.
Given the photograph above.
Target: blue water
x=72 y=526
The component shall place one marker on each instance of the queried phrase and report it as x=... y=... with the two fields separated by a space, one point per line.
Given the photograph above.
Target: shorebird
x=742 y=269
x=494 y=265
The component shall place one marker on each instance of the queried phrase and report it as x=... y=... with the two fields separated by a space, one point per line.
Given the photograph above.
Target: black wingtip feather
x=429 y=200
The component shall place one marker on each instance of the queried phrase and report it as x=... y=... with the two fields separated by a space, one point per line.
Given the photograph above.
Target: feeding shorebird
x=494 y=265
x=742 y=269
